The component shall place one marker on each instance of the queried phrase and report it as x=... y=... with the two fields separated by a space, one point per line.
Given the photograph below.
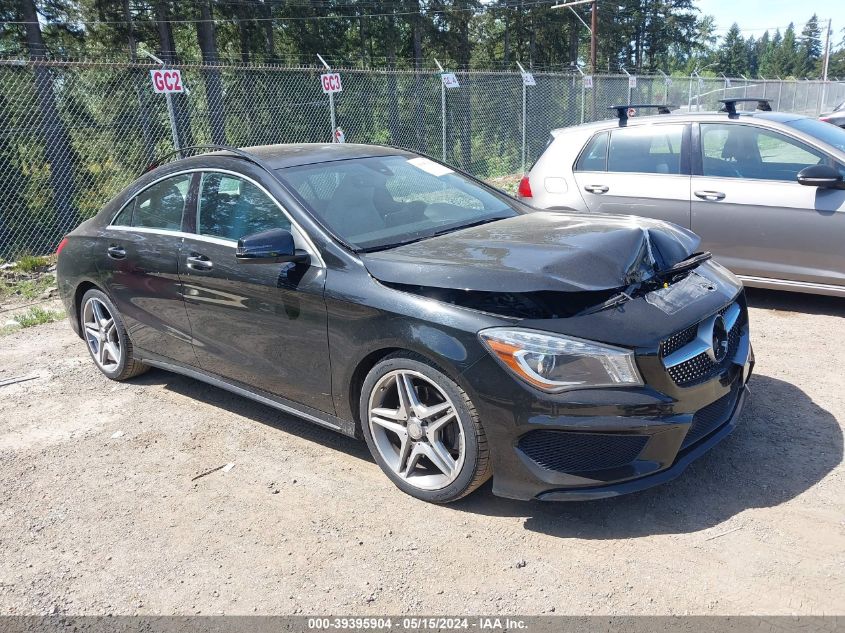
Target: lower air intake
x=566 y=452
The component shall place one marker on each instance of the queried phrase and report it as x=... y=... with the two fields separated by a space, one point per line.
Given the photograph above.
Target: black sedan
x=383 y=294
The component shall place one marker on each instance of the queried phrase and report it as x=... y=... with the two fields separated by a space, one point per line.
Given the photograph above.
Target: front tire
x=105 y=334
x=423 y=430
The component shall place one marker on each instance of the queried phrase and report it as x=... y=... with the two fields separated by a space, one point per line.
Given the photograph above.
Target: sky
x=755 y=16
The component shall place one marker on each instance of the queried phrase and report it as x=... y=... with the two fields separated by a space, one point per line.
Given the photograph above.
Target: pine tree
x=732 y=59
x=810 y=50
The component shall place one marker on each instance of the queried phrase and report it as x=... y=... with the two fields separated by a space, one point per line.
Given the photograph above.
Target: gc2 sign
x=331 y=83
x=167 y=80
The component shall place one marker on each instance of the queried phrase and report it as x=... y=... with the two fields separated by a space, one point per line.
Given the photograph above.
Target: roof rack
x=622 y=110
x=729 y=105
x=227 y=148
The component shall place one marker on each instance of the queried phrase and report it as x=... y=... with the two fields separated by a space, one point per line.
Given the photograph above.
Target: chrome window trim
x=299 y=232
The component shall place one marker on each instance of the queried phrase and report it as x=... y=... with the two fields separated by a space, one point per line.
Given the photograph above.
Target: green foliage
x=27 y=288
x=38 y=316
x=31 y=263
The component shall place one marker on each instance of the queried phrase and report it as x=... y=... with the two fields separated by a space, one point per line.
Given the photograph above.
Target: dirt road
x=99 y=513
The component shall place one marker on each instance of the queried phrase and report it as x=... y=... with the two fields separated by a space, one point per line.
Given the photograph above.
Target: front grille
x=711 y=418
x=701 y=367
x=678 y=340
x=567 y=452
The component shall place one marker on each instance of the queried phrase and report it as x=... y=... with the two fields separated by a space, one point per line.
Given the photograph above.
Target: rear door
x=264 y=325
x=139 y=264
x=750 y=211
x=640 y=170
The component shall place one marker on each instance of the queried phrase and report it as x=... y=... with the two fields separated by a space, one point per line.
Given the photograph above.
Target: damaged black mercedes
x=390 y=297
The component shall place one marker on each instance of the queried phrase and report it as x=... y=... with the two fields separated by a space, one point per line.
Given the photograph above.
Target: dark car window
x=124 y=217
x=161 y=205
x=651 y=149
x=382 y=201
x=231 y=208
x=744 y=151
x=594 y=156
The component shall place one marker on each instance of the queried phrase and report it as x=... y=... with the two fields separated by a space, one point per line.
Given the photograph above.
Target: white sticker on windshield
x=429 y=166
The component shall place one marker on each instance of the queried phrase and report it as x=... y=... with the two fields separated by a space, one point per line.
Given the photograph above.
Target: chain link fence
x=73 y=134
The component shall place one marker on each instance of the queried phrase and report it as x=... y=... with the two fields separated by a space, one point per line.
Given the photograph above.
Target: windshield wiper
x=451 y=229
x=693 y=261
x=618 y=299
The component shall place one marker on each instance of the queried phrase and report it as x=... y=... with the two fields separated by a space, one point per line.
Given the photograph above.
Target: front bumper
x=598 y=443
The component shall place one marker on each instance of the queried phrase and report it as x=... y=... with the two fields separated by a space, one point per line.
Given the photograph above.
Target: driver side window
x=231 y=208
x=744 y=151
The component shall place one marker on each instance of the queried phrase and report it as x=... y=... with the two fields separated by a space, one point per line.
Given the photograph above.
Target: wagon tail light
x=524 y=190
x=61 y=245
x=826 y=119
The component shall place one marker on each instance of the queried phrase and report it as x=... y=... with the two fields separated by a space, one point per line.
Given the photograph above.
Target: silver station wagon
x=763 y=189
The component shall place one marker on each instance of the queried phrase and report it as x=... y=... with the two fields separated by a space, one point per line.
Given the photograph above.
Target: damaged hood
x=541 y=251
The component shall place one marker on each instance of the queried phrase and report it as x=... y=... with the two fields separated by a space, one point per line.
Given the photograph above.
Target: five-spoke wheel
x=101 y=334
x=422 y=429
x=104 y=332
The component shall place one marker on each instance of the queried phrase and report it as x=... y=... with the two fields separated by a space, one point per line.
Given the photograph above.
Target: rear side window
x=594 y=156
x=161 y=205
x=652 y=149
x=232 y=208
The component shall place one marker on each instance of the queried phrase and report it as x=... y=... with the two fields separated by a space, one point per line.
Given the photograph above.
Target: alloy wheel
x=416 y=429
x=101 y=334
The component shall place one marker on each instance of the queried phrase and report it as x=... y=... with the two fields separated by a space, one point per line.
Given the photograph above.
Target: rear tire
x=423 y=430
x=105 y=335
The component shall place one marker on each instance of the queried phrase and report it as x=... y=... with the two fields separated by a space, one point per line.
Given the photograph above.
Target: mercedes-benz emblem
x=719 y=339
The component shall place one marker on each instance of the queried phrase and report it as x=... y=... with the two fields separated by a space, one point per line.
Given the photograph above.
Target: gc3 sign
x=167 y=80
x=331 y=83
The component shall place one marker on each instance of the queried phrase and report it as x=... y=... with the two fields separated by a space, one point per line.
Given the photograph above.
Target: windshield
x=830 y=134
x=380 y=202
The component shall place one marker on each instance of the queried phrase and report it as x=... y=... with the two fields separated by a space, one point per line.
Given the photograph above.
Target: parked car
x=382 y=294
x=837 y=117
x=763 y=190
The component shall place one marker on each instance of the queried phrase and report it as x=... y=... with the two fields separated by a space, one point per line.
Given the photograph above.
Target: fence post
x=331 y=100
x=780 y=90
x=442 y=108
x=524 y=88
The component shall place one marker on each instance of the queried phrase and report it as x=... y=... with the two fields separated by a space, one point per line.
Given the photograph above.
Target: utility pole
x=826 y=52
x=593 y=29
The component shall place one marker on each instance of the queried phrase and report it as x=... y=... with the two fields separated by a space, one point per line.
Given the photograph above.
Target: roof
x=290 y=155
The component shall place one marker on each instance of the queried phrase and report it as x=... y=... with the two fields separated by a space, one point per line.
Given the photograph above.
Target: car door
x=750 y=211
x=263 y=325
x=640 y=170
x=139 y=264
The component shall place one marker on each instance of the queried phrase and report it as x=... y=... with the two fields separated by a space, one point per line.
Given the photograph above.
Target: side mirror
x=823 y=176
x=268 y=247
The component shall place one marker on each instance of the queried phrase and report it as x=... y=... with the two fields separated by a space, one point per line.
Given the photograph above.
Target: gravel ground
x=99 y=513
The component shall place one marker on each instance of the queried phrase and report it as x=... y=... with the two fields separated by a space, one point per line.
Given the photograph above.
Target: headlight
x=555 y=363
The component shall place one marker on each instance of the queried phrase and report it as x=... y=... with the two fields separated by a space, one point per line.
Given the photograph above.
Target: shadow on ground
x=783 y=445
x=256 y=411
x=795 y=302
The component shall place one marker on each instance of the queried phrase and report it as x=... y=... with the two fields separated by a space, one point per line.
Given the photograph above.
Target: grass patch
x=38 y=316
x=26 y=288
x=31 y=263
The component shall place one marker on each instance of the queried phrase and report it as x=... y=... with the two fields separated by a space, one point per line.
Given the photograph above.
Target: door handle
x=199 y=262
x=597 y=188
x=116 y=252
x=710 y=195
